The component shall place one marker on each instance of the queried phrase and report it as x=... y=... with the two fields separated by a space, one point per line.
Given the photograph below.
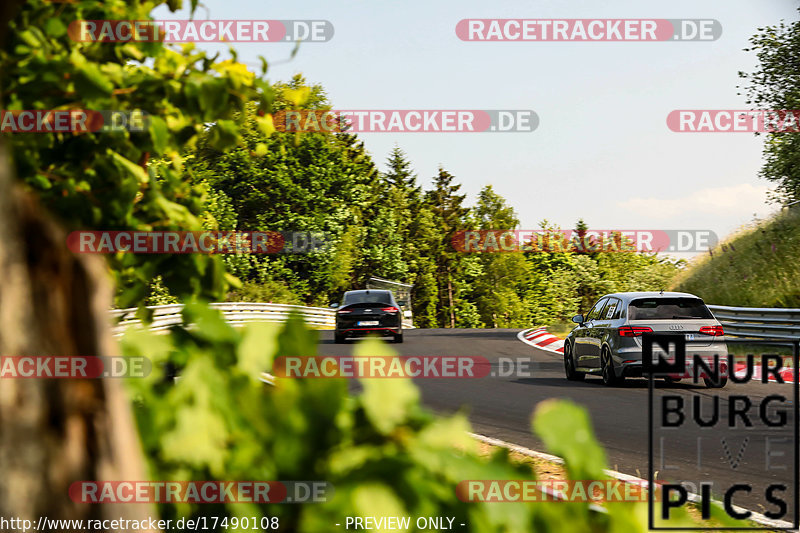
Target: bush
x=268 y=292
x=158 y=294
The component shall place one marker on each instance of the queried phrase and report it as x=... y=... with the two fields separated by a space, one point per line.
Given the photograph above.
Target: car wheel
x=610 y=378
x=718 y=384
x=569 y=365
x=398 y=339
x=338 y=339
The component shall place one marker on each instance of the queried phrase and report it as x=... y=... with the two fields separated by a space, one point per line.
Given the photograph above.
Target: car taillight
x=391 y=309
x=634 y=331
x=344 y=311
x=714 y=331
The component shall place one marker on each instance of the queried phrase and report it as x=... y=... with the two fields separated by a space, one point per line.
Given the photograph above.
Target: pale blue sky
x=602 y=150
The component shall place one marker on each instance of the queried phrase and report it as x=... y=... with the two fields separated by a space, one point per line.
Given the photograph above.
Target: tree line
x=388 y=224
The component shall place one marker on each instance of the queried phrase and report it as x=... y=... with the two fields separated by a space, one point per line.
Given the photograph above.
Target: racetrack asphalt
x=501 y=407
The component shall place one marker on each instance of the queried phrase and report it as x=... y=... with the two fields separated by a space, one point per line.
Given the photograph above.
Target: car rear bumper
x=363 y=331
x=629 y=360
x=635 y=352
x=634 y=370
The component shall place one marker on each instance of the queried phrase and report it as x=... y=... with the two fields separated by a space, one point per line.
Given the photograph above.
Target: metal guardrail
x=236 y=313
x=758 y=322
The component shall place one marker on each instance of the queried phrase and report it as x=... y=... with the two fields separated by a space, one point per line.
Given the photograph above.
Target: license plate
x=368 y=322
x=690 y=336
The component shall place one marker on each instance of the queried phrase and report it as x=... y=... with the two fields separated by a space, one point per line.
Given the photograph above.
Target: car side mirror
x=407 y=314
x=578 y=319
x=334 y=305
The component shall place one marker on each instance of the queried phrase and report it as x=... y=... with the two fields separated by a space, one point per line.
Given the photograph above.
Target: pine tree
x=581 y=244
x=449 y=216
x=400 y=173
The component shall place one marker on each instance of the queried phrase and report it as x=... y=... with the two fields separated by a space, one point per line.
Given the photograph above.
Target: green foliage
x=775 y=85
x=449 y=215
x=757 y=267
x=268 y=291
x=384 y=225
x=553 y=295
x=467 y=315
x=401 y=175
x=158 y=294
x=492 y=212
x=563 y=284
x=311 y=183
x=383 y=453
x=501 y=283
x=124 y=180
x=565 y=429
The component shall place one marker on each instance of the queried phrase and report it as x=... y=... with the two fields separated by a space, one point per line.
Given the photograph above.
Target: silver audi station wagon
x=608 y=340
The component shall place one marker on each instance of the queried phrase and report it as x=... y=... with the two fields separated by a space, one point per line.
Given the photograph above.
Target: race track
x=501 y=408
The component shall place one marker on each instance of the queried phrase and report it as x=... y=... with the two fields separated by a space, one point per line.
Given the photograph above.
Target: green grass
x=755 y=267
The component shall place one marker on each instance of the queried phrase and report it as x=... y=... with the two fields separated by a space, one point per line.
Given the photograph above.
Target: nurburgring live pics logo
x=674 y=412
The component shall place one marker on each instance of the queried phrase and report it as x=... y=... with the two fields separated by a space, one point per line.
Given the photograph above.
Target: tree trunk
x=450 y=298
x=54 y=432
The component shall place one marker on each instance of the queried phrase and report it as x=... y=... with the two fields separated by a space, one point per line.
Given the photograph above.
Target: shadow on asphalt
x=353 y=341
x=482 y=333
x=597 y=382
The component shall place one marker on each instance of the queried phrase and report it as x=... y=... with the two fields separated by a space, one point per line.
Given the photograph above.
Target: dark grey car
x=608 y=340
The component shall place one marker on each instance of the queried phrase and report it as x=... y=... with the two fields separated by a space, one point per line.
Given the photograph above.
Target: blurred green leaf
x=566 y=431
x=55 y=28
x=91 y=82
x=386 y=401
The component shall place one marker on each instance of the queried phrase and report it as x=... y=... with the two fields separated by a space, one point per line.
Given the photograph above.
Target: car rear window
x=667 y=309
x=363 y=297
